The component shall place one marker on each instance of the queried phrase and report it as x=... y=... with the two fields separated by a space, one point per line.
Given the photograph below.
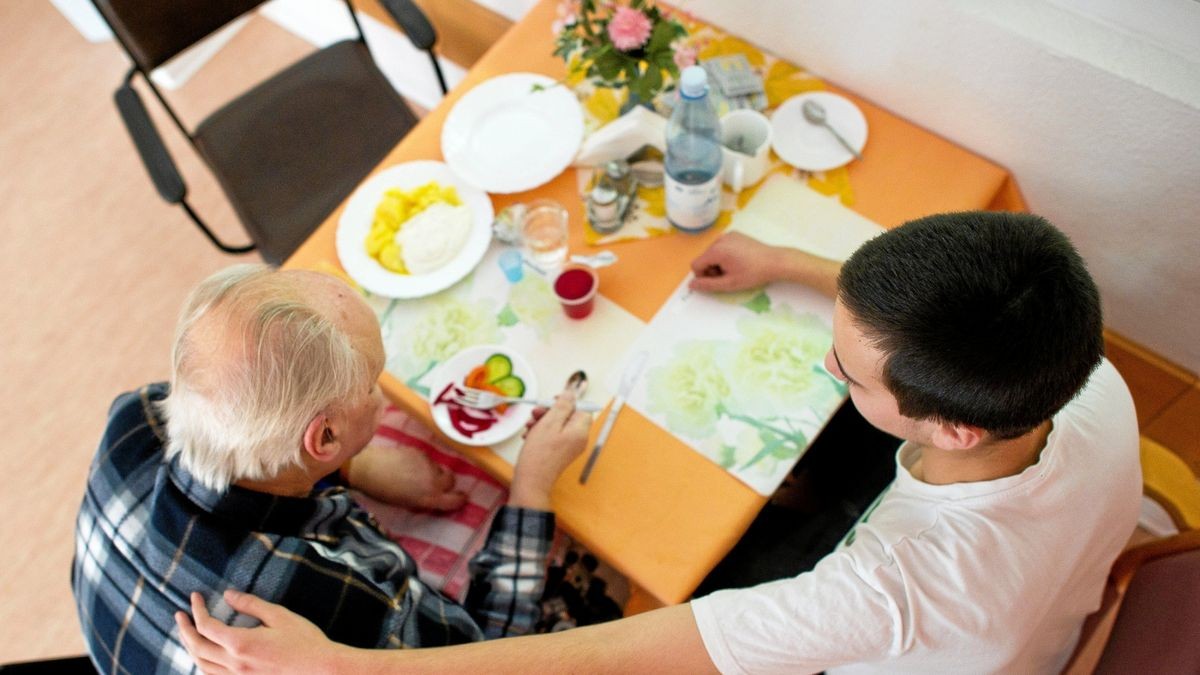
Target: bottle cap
x=693 y=83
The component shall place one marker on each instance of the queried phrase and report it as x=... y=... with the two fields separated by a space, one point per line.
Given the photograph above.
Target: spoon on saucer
x=814 y=112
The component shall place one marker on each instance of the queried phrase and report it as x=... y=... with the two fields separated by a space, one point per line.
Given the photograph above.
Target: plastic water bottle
x=693 y=163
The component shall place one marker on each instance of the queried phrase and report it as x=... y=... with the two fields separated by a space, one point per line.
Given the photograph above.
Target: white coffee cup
x=746 y=148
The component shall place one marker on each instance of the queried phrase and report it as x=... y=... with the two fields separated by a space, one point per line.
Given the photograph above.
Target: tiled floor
x=95 y=267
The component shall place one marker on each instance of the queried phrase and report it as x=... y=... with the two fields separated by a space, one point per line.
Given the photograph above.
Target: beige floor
x=94 y=268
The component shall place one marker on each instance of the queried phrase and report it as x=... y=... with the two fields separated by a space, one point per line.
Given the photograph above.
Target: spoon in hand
x=815 y=113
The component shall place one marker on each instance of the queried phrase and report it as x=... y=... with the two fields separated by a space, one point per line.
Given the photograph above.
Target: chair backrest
x=153 y=32
x=1158 y=627
x=1148 y=617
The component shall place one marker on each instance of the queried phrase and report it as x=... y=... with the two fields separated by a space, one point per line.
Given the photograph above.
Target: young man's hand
x=734 y=262
x=286 y=642
x=556 y=437
x=737 y=262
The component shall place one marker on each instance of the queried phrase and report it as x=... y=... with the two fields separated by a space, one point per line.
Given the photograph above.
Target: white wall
x=1100 y=127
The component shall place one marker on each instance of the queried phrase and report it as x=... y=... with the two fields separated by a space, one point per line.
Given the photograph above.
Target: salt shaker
x=610 y=197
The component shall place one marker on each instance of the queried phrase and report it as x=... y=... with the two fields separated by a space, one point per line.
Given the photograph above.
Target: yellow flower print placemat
x=782 y=80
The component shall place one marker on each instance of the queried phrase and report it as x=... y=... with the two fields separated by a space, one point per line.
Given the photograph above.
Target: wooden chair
x=1150 y=612
x=290 y=149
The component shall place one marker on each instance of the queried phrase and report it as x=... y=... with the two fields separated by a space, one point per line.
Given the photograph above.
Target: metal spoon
x=815 y=113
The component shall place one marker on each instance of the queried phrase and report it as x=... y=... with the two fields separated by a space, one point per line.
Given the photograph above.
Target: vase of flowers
x=631 y=45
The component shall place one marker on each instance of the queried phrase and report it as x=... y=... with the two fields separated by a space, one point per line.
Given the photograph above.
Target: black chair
x=71 y=665
x=287 y=151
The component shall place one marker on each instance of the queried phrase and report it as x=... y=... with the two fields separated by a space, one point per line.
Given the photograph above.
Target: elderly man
x=208 y=485
x=975 y=337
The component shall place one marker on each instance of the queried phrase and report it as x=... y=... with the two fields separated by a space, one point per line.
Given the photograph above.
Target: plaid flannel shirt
x=148 y=535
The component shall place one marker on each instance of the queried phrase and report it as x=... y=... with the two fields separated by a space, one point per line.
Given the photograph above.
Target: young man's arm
x=736 y=262
x=665 y=640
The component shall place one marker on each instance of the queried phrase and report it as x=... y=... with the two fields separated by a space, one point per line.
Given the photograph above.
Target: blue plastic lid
x=693 y=82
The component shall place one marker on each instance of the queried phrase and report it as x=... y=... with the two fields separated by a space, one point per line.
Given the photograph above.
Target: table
x=654 y=509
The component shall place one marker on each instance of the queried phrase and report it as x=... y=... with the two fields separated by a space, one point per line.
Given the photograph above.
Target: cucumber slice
x=498 y=366
x=510 y=385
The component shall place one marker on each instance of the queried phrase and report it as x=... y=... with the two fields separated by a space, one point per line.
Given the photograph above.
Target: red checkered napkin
x=441 y=543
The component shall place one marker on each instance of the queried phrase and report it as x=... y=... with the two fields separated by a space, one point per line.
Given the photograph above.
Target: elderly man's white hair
x=253 y=364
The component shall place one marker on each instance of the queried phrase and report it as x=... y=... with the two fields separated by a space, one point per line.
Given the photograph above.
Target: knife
x=630 y=377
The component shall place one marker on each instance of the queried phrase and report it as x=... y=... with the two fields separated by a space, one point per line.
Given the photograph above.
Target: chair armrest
x=150 y=145
x=412 y=21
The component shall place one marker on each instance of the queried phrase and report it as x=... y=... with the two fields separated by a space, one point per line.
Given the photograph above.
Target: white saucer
x=812 y=147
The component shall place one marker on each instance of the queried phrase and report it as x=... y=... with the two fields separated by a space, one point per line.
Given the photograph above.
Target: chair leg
x=437 y=70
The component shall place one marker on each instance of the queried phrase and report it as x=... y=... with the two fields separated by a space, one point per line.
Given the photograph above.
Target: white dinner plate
x=455 y=370
x=504 y=136
x=356 y=220
x=810 y=146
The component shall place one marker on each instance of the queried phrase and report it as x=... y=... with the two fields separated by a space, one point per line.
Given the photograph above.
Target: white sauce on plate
x=434 y=236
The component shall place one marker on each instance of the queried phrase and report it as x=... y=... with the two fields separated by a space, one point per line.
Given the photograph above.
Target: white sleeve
x=830 y=616
x=1103 y=410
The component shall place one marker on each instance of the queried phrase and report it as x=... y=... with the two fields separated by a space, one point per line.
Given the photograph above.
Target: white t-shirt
x=988 y=577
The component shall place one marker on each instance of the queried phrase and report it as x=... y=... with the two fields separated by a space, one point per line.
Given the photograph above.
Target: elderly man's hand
x=285 y=643
x=557 y=437
x=405 y=477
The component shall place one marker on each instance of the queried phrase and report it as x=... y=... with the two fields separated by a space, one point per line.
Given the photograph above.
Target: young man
x=208 y=485
x=976 y=337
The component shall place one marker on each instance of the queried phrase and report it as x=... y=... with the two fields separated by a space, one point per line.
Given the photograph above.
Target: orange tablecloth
x=654 y=509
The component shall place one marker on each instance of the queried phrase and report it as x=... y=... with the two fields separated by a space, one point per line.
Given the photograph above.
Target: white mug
x=746 y=148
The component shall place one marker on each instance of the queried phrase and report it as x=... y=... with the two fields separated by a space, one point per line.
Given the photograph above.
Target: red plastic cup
x=576 y=289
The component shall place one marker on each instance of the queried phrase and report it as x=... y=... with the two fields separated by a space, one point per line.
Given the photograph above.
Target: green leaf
x=767 y=436
x=727 y=456
x=767 y=450
x=660 y=38
x=608 y=64
x=647 y=86
x=507 y=317
x=759 y=304
x=792 y=448
x=421 y=389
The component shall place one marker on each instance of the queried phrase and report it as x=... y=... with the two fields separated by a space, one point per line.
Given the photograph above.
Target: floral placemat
x=524 y=317
x=740 y=377
x=782 y=80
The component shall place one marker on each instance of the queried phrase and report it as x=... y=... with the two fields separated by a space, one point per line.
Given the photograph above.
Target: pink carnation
x=567 y=12
x=628 y=29
x=685 y=55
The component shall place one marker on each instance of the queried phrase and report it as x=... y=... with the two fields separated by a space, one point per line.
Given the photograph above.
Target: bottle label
x=692 y=207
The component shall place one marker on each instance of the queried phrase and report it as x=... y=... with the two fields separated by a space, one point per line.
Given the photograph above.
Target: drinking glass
x=510 y=264
x=544 y=232
x=576 y=288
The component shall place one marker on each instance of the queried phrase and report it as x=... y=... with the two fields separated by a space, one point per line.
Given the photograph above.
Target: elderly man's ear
x=322 y=440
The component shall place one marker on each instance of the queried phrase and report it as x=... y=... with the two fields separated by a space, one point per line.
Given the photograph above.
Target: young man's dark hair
x=999 y=330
